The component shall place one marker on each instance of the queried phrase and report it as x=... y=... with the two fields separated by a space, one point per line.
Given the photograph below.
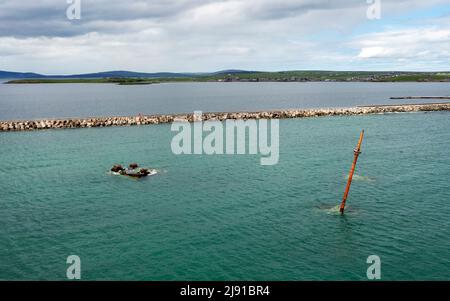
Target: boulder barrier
x=67 y=123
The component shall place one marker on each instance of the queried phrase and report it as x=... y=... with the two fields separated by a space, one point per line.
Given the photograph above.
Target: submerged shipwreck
x=133 y=170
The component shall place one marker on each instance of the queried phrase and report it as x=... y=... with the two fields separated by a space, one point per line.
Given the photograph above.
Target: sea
x=224 y=217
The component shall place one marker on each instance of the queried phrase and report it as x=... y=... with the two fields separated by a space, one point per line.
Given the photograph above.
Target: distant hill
x=122 y=74
x=7 y=74
x=231 y=71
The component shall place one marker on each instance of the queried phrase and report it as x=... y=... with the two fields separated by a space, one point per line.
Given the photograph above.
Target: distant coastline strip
x=420 y=97
x=30 y=125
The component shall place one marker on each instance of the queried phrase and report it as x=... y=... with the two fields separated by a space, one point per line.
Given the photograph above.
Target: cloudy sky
x=211 y=35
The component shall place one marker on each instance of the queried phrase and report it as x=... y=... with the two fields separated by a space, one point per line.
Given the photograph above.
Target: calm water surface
x=227 y=217
x=84 y=100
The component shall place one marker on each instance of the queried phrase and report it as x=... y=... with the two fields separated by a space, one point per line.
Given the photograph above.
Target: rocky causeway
x=29 y=125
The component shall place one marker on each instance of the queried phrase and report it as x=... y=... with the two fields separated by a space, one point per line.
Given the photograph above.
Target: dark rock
x=117 y=168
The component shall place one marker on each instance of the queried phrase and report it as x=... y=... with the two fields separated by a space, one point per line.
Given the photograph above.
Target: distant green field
x=419 y=78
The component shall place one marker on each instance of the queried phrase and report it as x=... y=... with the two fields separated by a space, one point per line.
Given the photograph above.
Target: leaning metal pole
x=357 y=151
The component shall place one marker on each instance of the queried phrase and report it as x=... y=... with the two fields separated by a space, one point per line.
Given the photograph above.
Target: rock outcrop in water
x=157 y=119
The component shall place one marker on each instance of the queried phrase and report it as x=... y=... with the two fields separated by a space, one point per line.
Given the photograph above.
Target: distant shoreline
x=129 y=78
x=150 y=81
x=31 y=125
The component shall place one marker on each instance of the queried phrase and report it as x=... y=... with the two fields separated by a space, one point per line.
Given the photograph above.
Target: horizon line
x=225 y=70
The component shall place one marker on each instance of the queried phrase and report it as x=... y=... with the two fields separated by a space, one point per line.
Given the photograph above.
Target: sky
x=46 y=36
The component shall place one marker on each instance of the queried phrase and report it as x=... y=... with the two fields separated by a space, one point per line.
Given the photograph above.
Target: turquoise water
x=228 y=217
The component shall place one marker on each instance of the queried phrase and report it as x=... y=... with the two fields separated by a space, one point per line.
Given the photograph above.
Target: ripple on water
x=228 y=217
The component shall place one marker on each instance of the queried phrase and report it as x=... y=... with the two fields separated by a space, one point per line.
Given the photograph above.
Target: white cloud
x=427 y=46
x=373 y=52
